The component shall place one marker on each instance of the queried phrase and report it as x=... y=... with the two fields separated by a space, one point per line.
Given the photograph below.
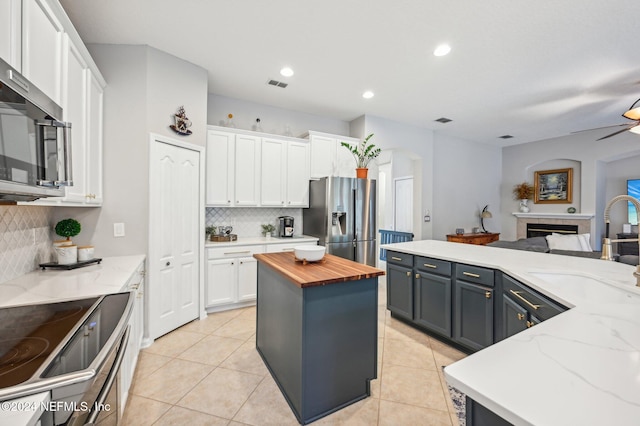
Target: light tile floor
x=208 y=372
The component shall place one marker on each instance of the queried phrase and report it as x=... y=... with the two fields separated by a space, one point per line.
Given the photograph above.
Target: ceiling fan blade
x=598 y=128
x=615 y=133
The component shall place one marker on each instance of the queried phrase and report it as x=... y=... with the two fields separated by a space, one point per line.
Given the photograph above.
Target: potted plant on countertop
x=210 y=231
x=267 y=230
x=65 y=250
x=523 y=192
x=363 y=153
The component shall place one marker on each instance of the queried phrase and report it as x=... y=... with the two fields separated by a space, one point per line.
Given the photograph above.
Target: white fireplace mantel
x=569 y=216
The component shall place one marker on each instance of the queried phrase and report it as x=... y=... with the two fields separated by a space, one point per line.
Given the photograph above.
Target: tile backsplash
x=246 y=221
x=25 y=239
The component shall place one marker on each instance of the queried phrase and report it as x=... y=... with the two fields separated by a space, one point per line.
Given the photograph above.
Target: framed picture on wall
x=553 y=186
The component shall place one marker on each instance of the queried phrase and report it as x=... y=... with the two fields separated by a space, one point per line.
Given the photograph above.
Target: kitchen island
x=579 y=367
x=317 y=330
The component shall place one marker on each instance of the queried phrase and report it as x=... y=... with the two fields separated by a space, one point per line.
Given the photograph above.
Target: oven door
x=99 y=405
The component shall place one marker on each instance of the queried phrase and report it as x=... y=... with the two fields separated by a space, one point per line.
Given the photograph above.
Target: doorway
x=176 y=218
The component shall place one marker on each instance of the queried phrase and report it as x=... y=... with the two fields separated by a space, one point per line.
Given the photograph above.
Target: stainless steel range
x=72 y=349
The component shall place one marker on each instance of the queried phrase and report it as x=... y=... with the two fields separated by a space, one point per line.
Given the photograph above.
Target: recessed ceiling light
x=368 y=94
x=286 y=72
x=442 y=50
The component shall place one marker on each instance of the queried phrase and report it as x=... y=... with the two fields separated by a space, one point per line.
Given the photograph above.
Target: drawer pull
x=530 y=324
x=521 y=317
x=428 y=265
x=470 y=274
x=408 y=273
x=237 y=252
x=288 y=249
x=487 y=294
x=399 y=259
x=517 y=294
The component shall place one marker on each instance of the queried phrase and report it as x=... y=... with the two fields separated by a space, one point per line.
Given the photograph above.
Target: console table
x=627 y=248
x=480 y=238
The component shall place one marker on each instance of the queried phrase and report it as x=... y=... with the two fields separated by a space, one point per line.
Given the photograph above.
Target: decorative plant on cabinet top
x=68 y=228
x=363 y=153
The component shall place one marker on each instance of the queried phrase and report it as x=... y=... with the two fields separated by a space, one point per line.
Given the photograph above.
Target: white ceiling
x=531 y=69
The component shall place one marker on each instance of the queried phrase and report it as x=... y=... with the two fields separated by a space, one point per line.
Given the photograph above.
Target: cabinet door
x=247 y=170
x=274 y=171
x=42 y=48
x=75 y=111
x=247 y=278
x=514 y=317
x=94 y=140
x=297 y=174
x=323 y=156
x=10 y=32
x=400 y=290
x=220 y=168
x=473 y=323
x=221 y=279
x=433 y=302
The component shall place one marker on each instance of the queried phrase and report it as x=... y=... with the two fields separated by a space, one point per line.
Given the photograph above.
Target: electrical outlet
x=118 y=229
x=427 y=216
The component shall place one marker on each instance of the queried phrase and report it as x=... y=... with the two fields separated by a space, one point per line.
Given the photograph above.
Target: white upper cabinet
x=251 y=169
x=95 y=121
x=247 y=171
x=220 y=157
x=298 y=174
x=11 y=32
x=42 y=48
x=274 y=173
x=329 y=157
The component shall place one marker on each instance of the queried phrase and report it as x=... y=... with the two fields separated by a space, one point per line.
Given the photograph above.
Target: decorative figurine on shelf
x=182 y=123
x=257 y=127
x=229 y=121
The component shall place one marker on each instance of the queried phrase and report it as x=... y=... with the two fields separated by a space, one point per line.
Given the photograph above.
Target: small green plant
x=267 y=229
x=362 y=152
x=210 y=230
x=68 y=228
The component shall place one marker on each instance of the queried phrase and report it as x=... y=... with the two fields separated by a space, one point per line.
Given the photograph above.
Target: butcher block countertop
x=331 y=270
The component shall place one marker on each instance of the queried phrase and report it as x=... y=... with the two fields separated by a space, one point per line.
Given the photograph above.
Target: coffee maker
x=285 y=226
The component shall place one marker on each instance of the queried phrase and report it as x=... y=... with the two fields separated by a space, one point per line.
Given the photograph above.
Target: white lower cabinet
x=232 y=276
x=136 y=334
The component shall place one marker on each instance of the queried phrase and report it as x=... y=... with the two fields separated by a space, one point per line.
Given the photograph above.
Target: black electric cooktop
x=29 y=335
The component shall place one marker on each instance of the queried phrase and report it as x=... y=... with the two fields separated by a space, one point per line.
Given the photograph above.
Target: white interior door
x=403 y=205
x=174 y=252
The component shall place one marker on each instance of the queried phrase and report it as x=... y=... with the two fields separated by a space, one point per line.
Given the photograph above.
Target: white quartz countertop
x=51 y=285
x=253 y=241
x=581 y=367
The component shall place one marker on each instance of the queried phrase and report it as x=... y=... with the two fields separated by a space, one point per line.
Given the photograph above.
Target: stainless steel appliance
x=285 y=226
x=35 y=147
x=73 y=350
x=342 y=215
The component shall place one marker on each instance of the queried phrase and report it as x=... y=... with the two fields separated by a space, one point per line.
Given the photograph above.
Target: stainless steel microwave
x=35 y=146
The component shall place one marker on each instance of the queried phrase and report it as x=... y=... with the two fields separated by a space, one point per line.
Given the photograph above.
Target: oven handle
x=111 y=378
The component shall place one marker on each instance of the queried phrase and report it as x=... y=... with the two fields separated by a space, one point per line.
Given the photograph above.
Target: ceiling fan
x=632 y=114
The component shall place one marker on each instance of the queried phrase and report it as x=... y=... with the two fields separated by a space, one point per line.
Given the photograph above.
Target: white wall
x=466 y=177
x=273 y=120
x=144 y=88
x=595 y=159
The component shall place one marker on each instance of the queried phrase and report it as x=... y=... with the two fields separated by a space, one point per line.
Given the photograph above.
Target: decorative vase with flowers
x=363 y=153
x=523 y=192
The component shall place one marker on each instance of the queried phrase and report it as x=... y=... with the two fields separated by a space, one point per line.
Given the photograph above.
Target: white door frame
x=153 y=245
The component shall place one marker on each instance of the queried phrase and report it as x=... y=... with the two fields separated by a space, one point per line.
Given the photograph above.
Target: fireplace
x=544 y=229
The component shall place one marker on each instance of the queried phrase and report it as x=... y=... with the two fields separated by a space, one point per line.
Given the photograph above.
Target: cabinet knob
x=408 y=273
x=521 y=316
x=487 y=294
x=530 y=324
x=168 y=264
x=418 y=276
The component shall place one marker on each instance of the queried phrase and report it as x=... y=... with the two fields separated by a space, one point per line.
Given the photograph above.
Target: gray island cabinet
x=317 y=330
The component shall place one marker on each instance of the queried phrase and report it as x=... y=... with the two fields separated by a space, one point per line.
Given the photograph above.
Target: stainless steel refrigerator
x=342 y=214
